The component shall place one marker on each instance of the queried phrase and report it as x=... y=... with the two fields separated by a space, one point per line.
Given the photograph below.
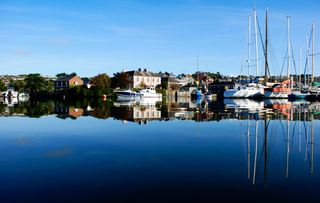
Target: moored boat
x=249 y=91
x=149 y=93
x=128 y=95
x=278 y=91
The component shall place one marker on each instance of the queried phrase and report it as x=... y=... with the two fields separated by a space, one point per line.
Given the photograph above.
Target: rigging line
x=262 y=42
x=284 y=61
x=293 y=59
x=308 y=51
x=273 y=53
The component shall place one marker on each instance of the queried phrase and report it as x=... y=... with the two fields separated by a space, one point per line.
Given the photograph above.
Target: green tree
x=120 y=80
x=102 y=81
x=36 y=84
x=19 y=85
x=2 y=86
x=61 y=75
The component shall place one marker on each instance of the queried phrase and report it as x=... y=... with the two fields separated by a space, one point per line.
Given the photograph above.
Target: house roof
x=66 y=78
x=142 y=73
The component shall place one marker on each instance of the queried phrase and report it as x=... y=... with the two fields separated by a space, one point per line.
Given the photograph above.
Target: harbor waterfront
x=181 y=150
x=140 y=101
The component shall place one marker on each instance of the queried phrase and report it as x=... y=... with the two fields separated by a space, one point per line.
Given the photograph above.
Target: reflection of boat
x=141 y=102
x=127 y=95
x=243 y=104
x=150 y=93
x=145 y=101
x=10 y=102
x=10 y=93
x=23 y=97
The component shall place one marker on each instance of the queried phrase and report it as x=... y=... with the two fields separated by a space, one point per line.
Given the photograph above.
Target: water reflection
x=288 y=131
x=154 y=109
x=246 y=148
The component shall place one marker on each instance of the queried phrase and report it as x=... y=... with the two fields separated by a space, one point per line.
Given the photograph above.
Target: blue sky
x=107 y=36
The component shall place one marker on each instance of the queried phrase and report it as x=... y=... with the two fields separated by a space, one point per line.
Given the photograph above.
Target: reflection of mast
x=265 y=150
x=249 y=150
x=288 y=148
x=255 y=154
x=312 y=144
x=299 y=131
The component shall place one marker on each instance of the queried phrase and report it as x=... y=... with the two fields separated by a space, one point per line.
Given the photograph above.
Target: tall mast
x=256 y=40
x=249 y=42
x=313 y=31
x=307 y=63
x=266 y=52
x=300 y=65
x=289 y=46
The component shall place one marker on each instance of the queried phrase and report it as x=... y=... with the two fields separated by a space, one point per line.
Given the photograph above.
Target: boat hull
x=242 y=93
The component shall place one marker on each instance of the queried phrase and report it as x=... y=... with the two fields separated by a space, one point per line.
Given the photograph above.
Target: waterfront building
x=67 y=81
x=143 y=78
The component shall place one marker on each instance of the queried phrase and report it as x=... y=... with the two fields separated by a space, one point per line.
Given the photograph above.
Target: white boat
x=249 y=91
x=245 y=104
x=10 y=93
x=23 y=97
x=128 y=95
x=150 y=93
x=278 y=91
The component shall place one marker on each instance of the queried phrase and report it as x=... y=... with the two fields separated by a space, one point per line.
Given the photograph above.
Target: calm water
x=184 y=151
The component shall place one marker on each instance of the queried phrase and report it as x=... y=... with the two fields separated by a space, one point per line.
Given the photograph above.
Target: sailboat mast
x=300 y=65
x=266 y=52
x=307 y=63
x=289 y=46
x=256 y=40
x=313 y=31
x=249 y=42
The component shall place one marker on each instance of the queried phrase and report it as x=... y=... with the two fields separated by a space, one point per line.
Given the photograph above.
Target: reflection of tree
x=122 y=113
x=39 y=108
x=102 y=112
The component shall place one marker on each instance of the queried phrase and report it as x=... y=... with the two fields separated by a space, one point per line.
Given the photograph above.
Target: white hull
x=243 y=93
x=149 y=93
x=128 y=98
x=276 y=95
x=243 y=104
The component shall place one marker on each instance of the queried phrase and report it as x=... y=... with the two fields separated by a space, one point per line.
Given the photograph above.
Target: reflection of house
x=65 y=111
x=141 y=114
x=68 y=81
x=146 y=113
x=141 y=78
x=75 y=112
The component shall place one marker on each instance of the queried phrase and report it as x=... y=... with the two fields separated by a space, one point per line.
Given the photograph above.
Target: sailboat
x=197 y=94
x=250 y=90
x=277 y=90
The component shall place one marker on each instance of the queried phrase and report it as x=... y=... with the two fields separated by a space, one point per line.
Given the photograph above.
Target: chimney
x=139 y=69
x=145 y=70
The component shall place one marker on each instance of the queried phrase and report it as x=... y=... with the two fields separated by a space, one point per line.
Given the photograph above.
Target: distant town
x=71 y=85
